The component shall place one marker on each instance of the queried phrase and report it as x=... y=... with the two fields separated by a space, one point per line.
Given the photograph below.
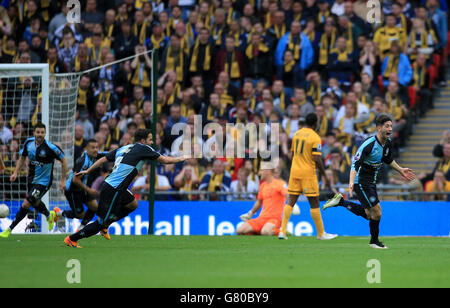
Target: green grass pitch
x=223 y=262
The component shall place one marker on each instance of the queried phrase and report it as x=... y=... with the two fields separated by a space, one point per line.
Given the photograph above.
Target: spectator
x=231 y=61
x=125 y=43
x=80 y=142
x=420 y=79
x=86 y=124
x=68 y=51
x=342 y=63
x=299 y=44
x=5 y=133
x=216 y=180
x=397 y=63
x=257 y=55
x=244 y=188
x=438 y=179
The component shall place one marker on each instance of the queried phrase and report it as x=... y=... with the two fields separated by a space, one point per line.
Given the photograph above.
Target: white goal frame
x=43 y=71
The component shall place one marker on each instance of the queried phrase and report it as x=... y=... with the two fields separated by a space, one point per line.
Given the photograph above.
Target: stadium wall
x=221 y=218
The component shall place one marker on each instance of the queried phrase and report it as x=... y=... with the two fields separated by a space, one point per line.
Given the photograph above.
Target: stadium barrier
x=404 y=218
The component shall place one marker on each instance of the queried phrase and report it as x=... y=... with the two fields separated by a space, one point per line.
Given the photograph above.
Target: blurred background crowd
x=234 y=61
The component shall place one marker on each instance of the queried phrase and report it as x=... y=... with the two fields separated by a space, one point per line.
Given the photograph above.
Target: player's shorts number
x=35 y=193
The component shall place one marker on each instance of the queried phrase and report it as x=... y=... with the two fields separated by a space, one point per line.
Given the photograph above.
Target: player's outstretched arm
x=13 y=176
x=62 y=182
x=351 y=182
x=77 y=181
x=96 y=165
x=406 y=173
x=167 y=160
x=249 y=215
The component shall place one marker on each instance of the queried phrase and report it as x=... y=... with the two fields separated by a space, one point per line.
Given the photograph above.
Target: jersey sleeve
x=111 y=156
x=101 y=154
x=360 y=155
x=283 y=188
x=317 y=146
x=59 y=154
x=150 y=153
x=24 y=151
x=387 y=154
x=78 y=166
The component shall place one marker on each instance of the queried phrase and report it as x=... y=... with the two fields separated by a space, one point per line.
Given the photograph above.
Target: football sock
x=286 y=215
x=317 y=217
x=19 y=216
x=41 y=208
x=88 y=231
x=87 y=217
x=355 y=208
x=68 y=214
x=374 y=230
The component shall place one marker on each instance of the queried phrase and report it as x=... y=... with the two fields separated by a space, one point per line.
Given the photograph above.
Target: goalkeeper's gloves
x=246 y=216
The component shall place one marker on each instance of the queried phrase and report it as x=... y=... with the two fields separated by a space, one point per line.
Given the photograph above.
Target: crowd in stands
x=234 y=61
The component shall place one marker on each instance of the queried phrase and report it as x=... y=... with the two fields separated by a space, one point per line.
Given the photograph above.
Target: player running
x=116 y=201
x=41 y=154
x=78 y=192
x=272 y=197
x=306 y=148
x=363 y=177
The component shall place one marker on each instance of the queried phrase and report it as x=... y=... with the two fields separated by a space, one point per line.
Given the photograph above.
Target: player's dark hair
x=381 y=119
x=311 y=119
x=91 y=141
x=141 y=134
x=40 y=125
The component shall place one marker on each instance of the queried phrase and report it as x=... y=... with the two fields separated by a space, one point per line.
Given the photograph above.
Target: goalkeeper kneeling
x=272 y=198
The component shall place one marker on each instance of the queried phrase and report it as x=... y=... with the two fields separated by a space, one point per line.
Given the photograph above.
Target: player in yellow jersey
x=306 y=149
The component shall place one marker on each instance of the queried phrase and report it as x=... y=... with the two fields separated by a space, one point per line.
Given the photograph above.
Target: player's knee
x=31 y=201
x=132 y=206
x=375 y=215
x=240 y=230
x=268 y=231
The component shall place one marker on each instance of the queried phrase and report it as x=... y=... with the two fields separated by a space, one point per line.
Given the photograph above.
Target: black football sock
x=87 y=217
x=41 y=208
x=88 y=231
x=374 y=230
x=68 y=214
x=19 y=216
x=355 y=208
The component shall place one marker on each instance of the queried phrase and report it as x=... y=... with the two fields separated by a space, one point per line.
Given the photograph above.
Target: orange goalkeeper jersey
x=273 y=197
x=305 y=145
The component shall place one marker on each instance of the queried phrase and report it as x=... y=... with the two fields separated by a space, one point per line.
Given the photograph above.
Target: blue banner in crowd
x=402 y=218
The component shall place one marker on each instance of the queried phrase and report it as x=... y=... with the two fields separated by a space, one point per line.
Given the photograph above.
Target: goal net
x=29 y=94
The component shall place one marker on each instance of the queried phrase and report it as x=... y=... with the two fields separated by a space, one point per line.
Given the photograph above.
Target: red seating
x=436 y=60
x=380 y=83
x=412 y=95
x=433 y=72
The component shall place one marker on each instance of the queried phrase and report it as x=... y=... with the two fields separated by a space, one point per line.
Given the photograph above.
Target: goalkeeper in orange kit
x=272 y=197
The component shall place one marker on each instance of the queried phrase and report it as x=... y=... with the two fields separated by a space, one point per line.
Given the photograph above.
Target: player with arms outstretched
x=78 y=192
x=307 y=155
x=272 y=197
x=42 y=155
x=367 y=162
x=116 y=201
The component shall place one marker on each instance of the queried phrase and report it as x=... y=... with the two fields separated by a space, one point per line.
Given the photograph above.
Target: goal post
x=30 y=94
